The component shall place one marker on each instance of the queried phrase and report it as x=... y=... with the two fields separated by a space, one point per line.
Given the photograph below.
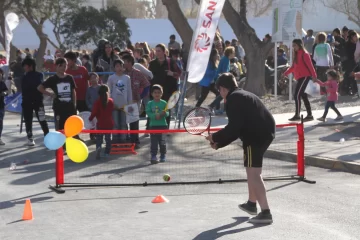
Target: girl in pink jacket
x=331 y=86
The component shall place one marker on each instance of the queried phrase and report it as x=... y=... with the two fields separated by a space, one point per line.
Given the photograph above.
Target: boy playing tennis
x=157 y=115
x=249 y=120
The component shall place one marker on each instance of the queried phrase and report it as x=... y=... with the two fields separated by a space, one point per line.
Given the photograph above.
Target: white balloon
x=12 y=20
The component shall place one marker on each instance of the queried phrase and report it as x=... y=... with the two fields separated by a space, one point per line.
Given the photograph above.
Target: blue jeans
x=157 y=140
x=120 y=124
x=99 y=141
x=2 y=115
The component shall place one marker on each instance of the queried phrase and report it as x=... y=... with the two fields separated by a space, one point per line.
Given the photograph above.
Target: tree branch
x=52 y=43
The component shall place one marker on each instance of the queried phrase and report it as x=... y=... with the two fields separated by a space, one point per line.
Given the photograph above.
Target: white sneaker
x=1 y=142
x=31 y=143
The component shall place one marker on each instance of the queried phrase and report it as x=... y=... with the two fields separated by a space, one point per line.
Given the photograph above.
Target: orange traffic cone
x=28 y=215
x=160 y=199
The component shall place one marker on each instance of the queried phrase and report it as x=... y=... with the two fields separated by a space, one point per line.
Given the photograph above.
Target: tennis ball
x=166 y=177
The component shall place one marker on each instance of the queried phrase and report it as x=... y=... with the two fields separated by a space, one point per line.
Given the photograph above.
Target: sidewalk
x=323 y=147
x=322 y=140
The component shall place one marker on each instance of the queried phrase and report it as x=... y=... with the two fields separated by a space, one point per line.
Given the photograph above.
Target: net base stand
x=57 y=189
x=303 y=179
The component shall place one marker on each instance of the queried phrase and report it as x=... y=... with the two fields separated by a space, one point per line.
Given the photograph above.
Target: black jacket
x=248 y=119
x=29 y=84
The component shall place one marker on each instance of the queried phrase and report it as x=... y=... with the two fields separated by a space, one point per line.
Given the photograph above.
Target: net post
x=59 y=171
x=300 y=150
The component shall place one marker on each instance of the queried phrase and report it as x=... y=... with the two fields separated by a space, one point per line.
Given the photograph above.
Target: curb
x=322 y=162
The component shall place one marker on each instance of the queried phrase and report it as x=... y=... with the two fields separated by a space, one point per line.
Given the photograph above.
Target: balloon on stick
x=76 y=150
x=73 y=126
x=54 y=140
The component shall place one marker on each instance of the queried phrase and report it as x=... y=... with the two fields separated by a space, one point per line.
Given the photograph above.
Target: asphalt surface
x=328 y=209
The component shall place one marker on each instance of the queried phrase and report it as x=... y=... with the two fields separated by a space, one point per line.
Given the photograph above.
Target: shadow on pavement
x=219 y=232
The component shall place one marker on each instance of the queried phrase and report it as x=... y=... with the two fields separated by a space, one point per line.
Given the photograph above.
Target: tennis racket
x=173 y=100
x=198 y=121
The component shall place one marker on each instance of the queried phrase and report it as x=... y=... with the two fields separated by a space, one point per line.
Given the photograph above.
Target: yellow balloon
x=76 y=150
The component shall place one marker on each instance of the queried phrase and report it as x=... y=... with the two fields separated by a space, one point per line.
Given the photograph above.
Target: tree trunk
x=256 y=50
x=255 y=80
x=179 y=21
x=42 y=47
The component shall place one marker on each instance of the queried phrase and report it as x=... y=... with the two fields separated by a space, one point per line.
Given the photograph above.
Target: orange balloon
x=73 y=126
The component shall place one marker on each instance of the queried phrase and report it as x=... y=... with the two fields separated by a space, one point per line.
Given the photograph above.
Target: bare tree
x=350 y=8
x=133 y=8
x=37 y=12
x=61 y=8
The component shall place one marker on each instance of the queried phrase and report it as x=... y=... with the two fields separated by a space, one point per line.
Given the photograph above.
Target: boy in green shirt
x=155 y=111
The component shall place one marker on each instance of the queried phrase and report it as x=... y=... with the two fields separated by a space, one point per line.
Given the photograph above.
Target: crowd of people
x=129 y=74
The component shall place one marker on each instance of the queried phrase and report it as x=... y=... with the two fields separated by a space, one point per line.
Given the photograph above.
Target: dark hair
x=161 y=46
x=60 y=61
x=123 y=53
x=104 y=97
x=77 y=54
x=227 y=42
x=322 y=37
x=118 y=61
x=172 y=36
x=129 y=58
x=311 y=31
x=351 y=34
x=99 y=68
x=300 y=44
x=214 y=63
x=86 y=56
x=334 y=74
x=157 y=87
x=70 y=55
x=146 y=56
x=227 y=80
x=117 y=49
x=345 y=29
x=29 y=62
x=337 y=30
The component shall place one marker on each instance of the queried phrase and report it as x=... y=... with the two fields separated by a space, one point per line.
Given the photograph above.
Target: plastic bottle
x=12 y=166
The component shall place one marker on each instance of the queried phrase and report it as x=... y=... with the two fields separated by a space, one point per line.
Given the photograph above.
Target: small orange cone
x=28 y=215
x=160 y=199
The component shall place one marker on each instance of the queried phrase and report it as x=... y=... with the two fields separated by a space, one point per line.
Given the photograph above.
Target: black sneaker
x=294 y=119
x=249 y=209
x=262 y=218
x=309 y=118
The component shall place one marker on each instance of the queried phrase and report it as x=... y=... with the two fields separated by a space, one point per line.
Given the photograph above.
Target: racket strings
x=197 y=121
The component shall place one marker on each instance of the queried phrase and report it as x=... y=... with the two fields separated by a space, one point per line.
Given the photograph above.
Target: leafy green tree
x=88 y=25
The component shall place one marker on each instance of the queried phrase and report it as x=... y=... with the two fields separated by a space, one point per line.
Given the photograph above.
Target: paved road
x=326 y=210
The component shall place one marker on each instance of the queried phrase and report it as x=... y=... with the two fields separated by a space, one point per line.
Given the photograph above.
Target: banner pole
x=183 y=94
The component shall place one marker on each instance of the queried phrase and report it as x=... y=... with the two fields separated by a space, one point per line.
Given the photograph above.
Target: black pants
x=157 y=141
x=62 y=112
x=134 y=137
x=81 y=106
x=28 y=108
x=204 y=93
x=300 y=93
x=330 y=104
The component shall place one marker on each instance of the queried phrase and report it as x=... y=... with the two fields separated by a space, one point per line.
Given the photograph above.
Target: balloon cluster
x=77 y=151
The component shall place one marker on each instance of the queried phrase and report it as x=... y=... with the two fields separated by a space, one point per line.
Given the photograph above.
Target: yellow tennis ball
x=166 y=177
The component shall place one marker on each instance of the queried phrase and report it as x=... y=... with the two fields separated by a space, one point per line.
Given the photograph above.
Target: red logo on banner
x=202 y=42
